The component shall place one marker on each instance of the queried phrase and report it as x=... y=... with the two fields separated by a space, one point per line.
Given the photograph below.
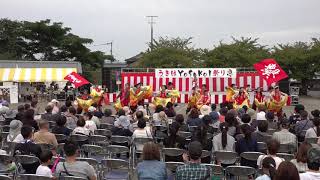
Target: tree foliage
x=45 y=41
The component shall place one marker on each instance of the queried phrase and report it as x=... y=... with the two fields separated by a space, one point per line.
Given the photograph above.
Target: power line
x=104 y=44
x=151 y=22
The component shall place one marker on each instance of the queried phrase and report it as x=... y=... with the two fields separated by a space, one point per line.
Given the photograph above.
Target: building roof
x=40 y=64
x=109 y=64
x=134 y=58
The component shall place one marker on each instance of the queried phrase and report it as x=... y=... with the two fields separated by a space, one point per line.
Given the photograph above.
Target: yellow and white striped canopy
x=34 y=74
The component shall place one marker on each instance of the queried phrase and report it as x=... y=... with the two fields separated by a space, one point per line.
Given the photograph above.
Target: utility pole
x=108 y=43
x=151 y=22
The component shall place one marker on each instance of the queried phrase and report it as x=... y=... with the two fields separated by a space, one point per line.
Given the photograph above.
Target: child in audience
x=43 y=169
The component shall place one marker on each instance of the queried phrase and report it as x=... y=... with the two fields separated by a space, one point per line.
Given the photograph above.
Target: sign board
x=196 y=72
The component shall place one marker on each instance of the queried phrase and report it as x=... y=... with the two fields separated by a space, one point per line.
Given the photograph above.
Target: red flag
x=76 y=79
x=270 y=70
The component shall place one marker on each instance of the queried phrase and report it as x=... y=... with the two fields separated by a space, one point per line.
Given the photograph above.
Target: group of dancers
x=273 y=100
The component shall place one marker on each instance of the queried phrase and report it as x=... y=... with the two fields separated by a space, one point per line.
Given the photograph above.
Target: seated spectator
x=63 y=110
x=204 y=110
x=180 y=119
x=155 y=116
x=261 y=135
x=268 y=168
x=15 y=132
x=287 y=170
x=174 y=140
x=247 y=144
x=223 y=141
x=284 y=136
x=301 y=157
x=43 y=136
x=92 y=110
x=246 y=119
x=302 y=126
x=151 y=167
x=169 y=110
x=72 y=167
x=314 y=132
x=223 y=112
x=43 y=169
x=48 y=114
x=193 y=169
x=193 y=118
x=90 y=124
x=68 y=104
x=9 y=116
x=19 y=115
x=295 y=117
x=71 y=118
x=273 y=147
x=215 y=119
x=161 y=120
x=60 y=125
x=141 y=132
x=81 y=129
x=107 y=118
x=55 y=106
x=233 y=125
x=28 y=119
x=315 y=113
x=272 y=124
x=213 y=108
x=207 y=122
x=122 y=125
x=26 y=106
x=200 y=135
x=28 y=147
x=313 y=162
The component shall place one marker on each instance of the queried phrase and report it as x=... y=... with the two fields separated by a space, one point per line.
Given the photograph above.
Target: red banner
x=270 y=71
x=76 y=79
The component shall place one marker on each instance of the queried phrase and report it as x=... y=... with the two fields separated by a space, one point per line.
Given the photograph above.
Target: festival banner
x=196 y=72
x=270 y=71
x=76 y=79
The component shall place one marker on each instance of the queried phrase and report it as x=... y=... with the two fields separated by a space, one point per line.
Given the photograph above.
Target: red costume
x=241 y=98
x=125 y=97
x=163 y=95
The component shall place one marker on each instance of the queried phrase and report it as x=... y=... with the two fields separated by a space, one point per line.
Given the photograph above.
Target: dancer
x=259 y=99
x=124 y=97
x=231 y=91
x=193 y=99
x=204 y=99
x=172 y=93
x=162 y=97
x=278 y=99
x=241 y=99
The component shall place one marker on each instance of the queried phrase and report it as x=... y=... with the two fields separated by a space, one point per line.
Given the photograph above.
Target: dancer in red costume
x=241 y=99
x=259 y=99
x=204 y=99
x=278 y=99
x=124 y=95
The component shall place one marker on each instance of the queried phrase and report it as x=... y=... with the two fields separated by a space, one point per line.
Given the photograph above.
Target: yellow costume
x=230 y=93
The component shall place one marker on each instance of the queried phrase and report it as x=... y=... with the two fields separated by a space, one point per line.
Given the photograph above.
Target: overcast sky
x=207 y=21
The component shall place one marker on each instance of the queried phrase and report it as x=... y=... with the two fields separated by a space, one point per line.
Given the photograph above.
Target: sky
x=124 y=22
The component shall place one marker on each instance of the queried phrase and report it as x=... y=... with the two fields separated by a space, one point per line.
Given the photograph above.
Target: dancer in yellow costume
x=241 y=99
x=193 y=99
x=231 y=91
x=278 y=99
x=162 y=97
x=172 y=93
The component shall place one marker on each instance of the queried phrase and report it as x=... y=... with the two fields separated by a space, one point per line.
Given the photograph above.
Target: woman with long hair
x=268 y=168
x=193 y=118
x=223 y=141
x=301 y=157
x=287 y=170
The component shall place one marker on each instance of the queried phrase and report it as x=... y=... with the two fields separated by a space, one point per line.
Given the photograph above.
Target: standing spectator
x=193 y=168
x=81 y=129
x=287 y=170
x=43 y=136
x=303 y=125
x=15 y=132
x=107 y=118
x=72 y=166
x=314 y=132
x=268 y=168
x=313 y=163
x=169 y=110
x=284 y=136
x=71 y=118
x=223 y=141
x=151 y=167
x=261 y=135
x=273 y=147
x=247 y=144
x=60 y=125
x=90 y=124
x=43 y=169
x=141 y=132
x=28 y=147
x=28 y=119
x=301 y=157
x=193 y=119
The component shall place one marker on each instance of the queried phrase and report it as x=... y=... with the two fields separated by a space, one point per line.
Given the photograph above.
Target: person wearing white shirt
x=90 y=124
x=141 y=132
x=284 y=136
x=313 y=162
x=273 y=147
x=81 y=129
x=15 y=132
x=43 y=169
x=314 y=132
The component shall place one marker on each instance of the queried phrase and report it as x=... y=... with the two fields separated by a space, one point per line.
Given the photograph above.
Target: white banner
x=198 y=72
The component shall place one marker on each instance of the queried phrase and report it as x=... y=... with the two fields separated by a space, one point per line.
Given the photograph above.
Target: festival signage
x=270 y=70
x=76 y=79
x=196 y=72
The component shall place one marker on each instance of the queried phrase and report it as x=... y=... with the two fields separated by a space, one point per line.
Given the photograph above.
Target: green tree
x=243 y=52
x=170 y=53
x=300 y=60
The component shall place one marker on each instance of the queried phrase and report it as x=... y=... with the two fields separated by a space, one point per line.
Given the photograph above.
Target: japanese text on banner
x=196 y=72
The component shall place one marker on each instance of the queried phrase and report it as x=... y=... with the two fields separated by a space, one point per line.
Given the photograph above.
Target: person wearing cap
x=204 y=110
x=313 y=163
x=94 y=118
x=302 y=126
x=284 y=136
x=55 y=107
x=15 y=132
x=9 y=116
x=90 y=124
x=193 y=169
